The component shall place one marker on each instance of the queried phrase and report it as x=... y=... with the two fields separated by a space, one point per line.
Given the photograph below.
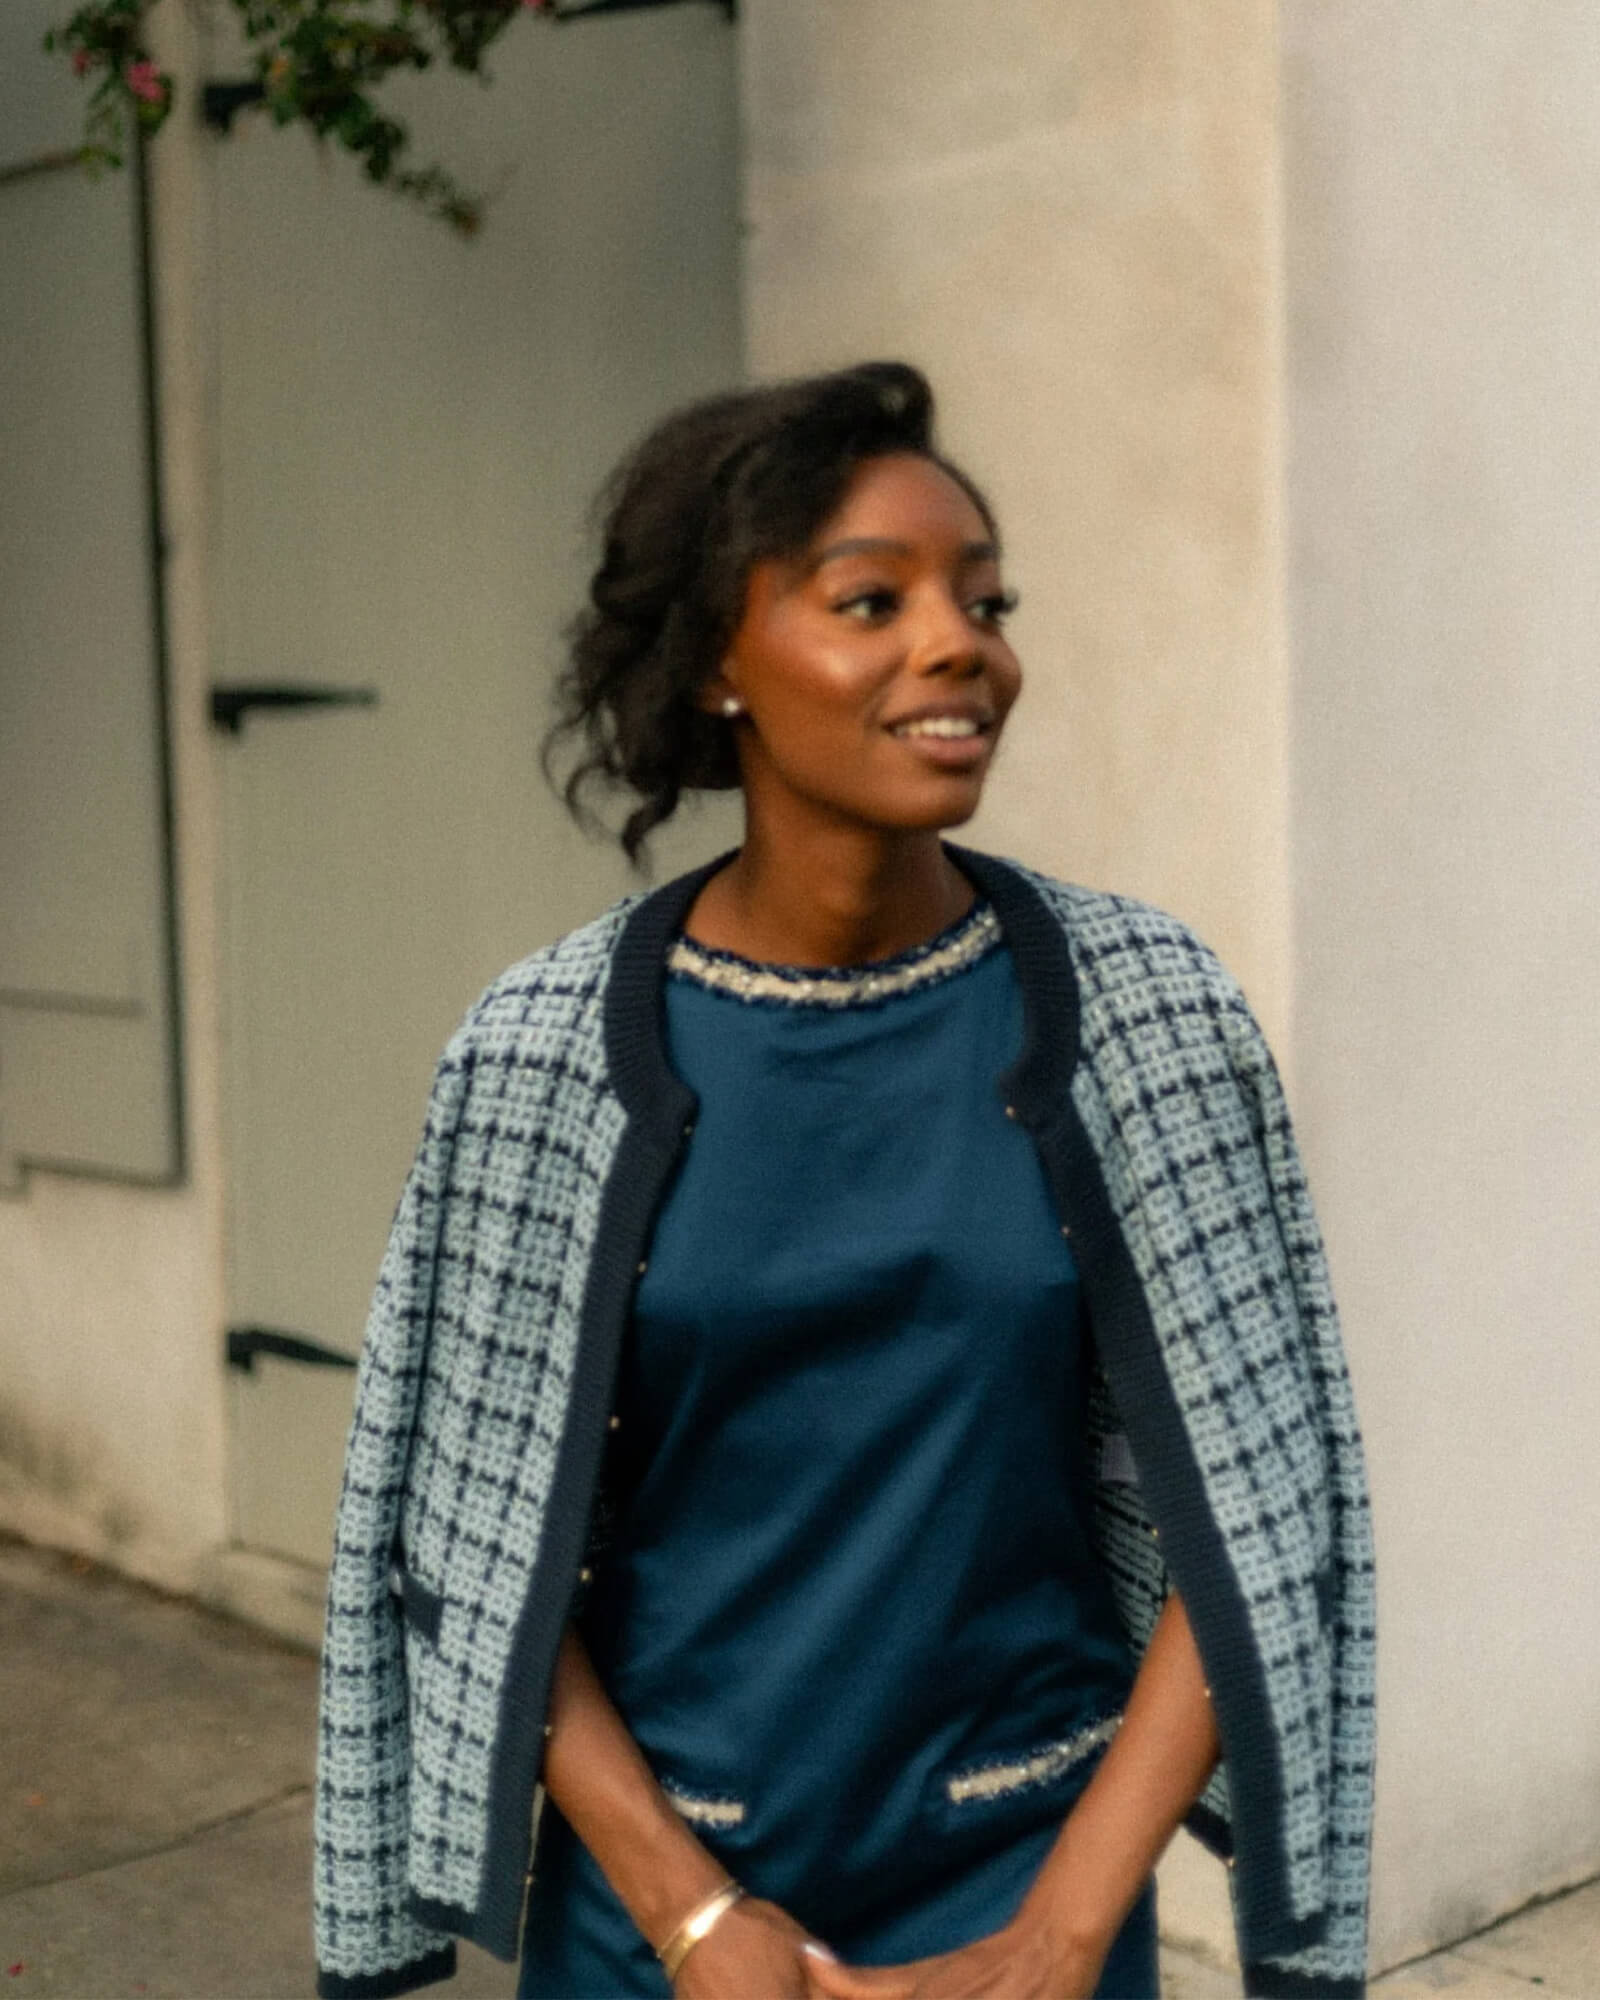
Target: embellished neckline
x=963 y=943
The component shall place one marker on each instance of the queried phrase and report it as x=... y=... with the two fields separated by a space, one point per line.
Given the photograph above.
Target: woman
x=852 y=1402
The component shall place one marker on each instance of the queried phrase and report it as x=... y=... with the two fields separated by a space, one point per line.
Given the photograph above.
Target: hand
x=755 y=1952
x=1021 y=1962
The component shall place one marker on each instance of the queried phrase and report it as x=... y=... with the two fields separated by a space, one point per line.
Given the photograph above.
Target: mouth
x=948 y=739
x=941 y=728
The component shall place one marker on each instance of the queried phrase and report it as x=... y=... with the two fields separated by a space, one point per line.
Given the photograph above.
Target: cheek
x=831 y=683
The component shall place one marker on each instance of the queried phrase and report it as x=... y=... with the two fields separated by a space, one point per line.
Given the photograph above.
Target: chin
x=934 y=815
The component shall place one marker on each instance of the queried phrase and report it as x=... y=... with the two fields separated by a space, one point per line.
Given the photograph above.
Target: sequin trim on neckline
x=972 y=937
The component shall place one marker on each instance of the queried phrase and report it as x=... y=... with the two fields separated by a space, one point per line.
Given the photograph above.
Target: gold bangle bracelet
x=701 y=1921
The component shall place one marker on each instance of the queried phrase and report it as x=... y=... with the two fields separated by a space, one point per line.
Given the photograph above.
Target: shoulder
x=552 y=1000
x=1158 y=1013
x=1122 y=948
x=567 y=976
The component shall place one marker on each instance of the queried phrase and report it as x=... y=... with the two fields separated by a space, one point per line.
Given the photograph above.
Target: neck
x=833 y=895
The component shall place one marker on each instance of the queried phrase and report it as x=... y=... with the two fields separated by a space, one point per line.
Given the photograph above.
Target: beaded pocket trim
x=839 y=986
x=1000 y=1779
x=701 y=1810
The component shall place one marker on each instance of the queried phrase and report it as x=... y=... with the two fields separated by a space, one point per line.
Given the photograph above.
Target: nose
x=944 y=639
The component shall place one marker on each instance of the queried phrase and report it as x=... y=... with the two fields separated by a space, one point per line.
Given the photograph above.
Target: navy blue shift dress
x=851 y=1613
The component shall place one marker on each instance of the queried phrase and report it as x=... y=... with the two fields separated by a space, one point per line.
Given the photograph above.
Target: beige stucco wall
x=112 y=1295
x=1443 y=279
x=1067 y=216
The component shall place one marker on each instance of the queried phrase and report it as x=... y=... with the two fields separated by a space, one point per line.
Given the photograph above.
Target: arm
x=596 y=1777
x=1054 y=1947
x=1156 y=1767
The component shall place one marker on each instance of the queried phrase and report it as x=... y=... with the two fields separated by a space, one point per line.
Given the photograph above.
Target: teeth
x=939 y=725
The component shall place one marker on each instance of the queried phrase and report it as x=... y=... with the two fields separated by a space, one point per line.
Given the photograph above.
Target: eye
x=869 y=606
x=993 y=609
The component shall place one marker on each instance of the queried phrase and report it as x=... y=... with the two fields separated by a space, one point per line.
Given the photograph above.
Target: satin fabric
x=851 y=1573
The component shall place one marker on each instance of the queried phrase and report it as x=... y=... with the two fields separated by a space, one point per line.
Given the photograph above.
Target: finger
x=853 y=1982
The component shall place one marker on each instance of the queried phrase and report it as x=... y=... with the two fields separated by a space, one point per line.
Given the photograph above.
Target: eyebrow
x=883 y=545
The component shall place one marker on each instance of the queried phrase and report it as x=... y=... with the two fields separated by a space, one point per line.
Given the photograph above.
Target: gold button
x=586 y=1575
x=1066 y=1228
x=615 y=1424
x=644 y=1265
x=1011 y=1111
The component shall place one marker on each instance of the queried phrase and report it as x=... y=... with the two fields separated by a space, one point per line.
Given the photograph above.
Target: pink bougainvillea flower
x=82 y=62
x=145 y=80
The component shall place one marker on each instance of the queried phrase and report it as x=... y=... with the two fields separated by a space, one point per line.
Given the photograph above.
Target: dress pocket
x=709 y=1812
x=1042 y=1776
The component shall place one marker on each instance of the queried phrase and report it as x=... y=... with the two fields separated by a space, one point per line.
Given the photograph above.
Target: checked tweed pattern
x=459 y=1409
x=465 y=1374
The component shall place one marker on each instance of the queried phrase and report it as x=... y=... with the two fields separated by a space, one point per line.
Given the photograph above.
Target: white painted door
x=411 y=428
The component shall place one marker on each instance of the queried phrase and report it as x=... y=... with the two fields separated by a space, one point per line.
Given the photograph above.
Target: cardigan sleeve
x=1336 y=1964
x=367 y=1943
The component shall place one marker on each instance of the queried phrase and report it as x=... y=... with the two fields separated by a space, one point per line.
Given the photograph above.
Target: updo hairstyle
x=713 y=489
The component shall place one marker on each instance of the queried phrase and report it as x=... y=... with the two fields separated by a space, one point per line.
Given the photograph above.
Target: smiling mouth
x=947 y=728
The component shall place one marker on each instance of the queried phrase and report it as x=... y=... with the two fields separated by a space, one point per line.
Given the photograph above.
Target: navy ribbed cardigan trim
x=1278 y=1982
x=1039 y=1087
x=440 y=1964
x=660 y=1108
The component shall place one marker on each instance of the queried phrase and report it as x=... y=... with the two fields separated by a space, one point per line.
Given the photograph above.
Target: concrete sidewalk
x=155 y=1806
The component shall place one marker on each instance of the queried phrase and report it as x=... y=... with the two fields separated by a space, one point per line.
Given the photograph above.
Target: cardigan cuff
x=1212 y=1831
x=1266 y=1981
x=439 y=1964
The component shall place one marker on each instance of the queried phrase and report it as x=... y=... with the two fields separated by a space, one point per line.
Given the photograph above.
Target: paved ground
x=155 y=1770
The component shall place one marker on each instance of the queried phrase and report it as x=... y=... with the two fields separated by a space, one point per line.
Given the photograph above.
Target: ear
x=719 y=697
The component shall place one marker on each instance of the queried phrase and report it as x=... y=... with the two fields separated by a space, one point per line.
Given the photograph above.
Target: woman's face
x=873 y=670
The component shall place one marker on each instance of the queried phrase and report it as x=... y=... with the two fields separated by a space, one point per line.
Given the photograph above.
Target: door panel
x=89 y=1077
x=411 y=429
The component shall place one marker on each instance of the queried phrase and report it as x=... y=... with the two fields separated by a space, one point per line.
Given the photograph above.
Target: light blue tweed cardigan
x=553 y=1127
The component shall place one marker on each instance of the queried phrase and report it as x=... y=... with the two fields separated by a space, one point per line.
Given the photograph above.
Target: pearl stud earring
x=732 y=706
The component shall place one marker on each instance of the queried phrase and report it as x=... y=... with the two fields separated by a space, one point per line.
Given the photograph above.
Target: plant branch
x=319 y=63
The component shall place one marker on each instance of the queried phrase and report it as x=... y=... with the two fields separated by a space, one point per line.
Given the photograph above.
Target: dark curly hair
x=713 y=489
